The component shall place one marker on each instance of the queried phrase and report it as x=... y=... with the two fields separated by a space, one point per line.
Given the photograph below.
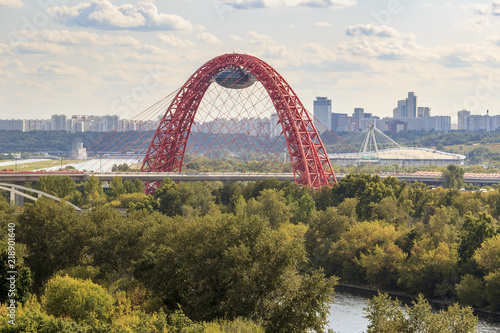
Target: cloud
x=322 y=24
x=250 y=4
x=102 y=14
x=481 y=15
x=468 y=55
x=371 y=30
x=259 y=38
x=315 y=57
x=268 y=45
x=383 y=42
x=207 y=38
x=174 y=41
x=75 y=38
x=54 y=68
x=235 y=38
x=38 y=48
x=117 y=76
x=495 y=10
x=11 y=3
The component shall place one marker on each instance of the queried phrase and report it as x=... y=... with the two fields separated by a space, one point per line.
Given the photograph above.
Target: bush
x=470 y=291
x=492 y=289
x=78 y=299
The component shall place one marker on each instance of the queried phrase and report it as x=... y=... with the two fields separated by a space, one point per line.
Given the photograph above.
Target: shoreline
x=405 y=298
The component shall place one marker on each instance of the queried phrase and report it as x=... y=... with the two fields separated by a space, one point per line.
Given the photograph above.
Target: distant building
x=37 y=125
x=424 y=111
x=323 y=114
x=59 y=122
x=336 y=121
x=357 y=115
x=400 y=111
x=478 y=123
x=411 y=105
x=13 y=125
x=462 y=119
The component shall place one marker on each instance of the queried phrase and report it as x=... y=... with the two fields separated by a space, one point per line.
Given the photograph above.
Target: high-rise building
x=411 y=105
x=462 y=119
x=323 y=114
x=335 y=121
x=13 y=125
x=59 y=122
x=357 y=115
x=400 y=111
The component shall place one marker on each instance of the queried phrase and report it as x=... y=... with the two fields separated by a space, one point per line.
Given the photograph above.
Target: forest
x=249 y=257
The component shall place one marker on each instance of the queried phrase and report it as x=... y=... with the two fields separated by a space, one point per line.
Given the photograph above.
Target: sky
x=119 y=57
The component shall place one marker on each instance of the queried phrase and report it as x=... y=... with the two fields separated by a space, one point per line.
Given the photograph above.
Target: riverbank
x=407 y=299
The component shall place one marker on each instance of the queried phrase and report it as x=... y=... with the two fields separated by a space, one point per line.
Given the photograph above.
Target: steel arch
x=308 y=156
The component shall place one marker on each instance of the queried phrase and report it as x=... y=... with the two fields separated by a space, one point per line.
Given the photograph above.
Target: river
x=346 y=315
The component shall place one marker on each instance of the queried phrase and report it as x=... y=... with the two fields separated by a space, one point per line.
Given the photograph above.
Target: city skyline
x=119 y=57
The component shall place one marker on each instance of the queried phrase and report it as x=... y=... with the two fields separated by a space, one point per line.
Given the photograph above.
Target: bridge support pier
x=16 y=198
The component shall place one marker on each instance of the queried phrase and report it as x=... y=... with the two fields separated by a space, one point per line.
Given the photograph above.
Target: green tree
x=470 y=291
x=93 y=192
x=138 y=186
x=325 y=230
x=185 y=198
x=305 y=211
x=488 y=255
x=433 y=272
x=80 y=300
x=387 y=316
x=273 y=206
x=231 y=266
x=361 y=239
x=23 y=277
x=454 y=177
x=368 y=190
x=474 y=231
x=492 y=289
x=116 y=188
x=62 y=187
x=55 y=237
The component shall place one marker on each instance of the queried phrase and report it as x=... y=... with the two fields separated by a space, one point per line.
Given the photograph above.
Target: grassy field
x=36 y=165
x=464 y=149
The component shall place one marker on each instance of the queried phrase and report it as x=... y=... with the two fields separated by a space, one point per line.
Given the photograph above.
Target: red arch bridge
x=309 y=160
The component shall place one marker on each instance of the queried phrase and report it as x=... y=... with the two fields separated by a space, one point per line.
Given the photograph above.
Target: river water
x=346 y=315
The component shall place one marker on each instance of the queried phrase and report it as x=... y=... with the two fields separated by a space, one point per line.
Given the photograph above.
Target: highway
x=430 y=178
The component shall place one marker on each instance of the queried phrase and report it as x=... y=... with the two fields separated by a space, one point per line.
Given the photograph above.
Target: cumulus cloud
x=467 y=55
x=382 y=42
x=481 y=15
x=371 y=30
x=495 y=10
x=249 y=4
x=54 y=68
x=38 y=48
x=102 y=14
x=11 y=3
x=208 y=38
x=174 y=41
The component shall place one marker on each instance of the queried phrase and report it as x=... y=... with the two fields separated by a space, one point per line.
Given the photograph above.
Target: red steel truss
x=308 y=156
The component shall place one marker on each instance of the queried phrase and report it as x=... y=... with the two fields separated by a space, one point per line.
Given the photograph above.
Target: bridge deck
x=433 y=178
